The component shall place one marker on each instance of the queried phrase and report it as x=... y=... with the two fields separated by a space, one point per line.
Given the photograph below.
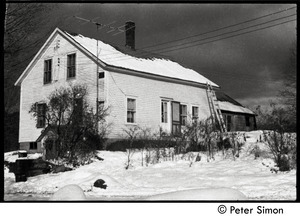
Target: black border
x=157 y=2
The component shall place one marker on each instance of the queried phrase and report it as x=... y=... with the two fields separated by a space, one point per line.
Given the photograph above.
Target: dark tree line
x=26 y=27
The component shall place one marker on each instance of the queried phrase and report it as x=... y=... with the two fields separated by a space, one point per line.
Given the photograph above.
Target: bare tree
x=74 y=122
x=287 y=96
x=26 y=26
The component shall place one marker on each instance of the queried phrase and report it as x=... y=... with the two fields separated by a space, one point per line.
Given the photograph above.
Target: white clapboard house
x=148 y=92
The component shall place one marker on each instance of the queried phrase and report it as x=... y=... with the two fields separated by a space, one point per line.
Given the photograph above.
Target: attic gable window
x=71 y=66
x=47 y=71
x=41 y=115
x=131 y=110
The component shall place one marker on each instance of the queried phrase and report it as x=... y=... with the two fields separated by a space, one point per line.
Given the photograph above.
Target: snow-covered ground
x=252 y=178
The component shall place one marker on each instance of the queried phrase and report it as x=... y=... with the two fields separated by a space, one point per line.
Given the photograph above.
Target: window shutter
x=37 y=114
x=176 y=111
x=176 y=129
x=44 y=114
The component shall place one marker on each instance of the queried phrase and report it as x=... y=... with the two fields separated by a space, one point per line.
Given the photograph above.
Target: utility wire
x=225 y=27
x=186 y=43
x=188 y=46
x=227 y=32
x=234 y=35
x=204 y=33
x=122 y=57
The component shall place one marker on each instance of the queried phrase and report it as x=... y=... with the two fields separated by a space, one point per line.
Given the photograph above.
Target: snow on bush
x=69 y=192
x=13 y=156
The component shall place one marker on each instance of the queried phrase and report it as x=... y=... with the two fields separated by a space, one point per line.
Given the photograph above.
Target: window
x=228 y=123
x=48 y=71
x=131 y=110
x=41 y=115
x=164 y=111
x=194 y=112
x=247 y=121
x=183 y=114
x=101 y=105
x=33 y=145
x=71 y=66
x=101 y=74
x=78 y=110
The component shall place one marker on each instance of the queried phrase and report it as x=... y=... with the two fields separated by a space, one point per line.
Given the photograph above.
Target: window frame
x=134 y=111
x=48 y=71
x=193 y=116
x=41 y=117
x=228 y=122
x=73 y=66
x=34 y=144
x=247 y=120
x=101 y=75
x=181 y=114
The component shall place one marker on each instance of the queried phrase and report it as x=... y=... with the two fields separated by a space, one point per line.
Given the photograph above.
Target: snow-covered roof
x=227 y=106
x=157 y=66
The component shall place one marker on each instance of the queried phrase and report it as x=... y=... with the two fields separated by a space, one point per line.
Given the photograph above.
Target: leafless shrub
x=131 y=134
x=283 y=148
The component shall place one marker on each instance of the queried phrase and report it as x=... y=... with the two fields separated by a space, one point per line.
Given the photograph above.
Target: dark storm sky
x=249 y=67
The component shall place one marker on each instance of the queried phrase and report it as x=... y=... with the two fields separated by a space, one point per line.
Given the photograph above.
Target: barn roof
x=226 y=103
x=228 y=106
x=141 y=61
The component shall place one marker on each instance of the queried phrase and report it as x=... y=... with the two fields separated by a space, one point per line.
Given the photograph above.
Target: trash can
x=21 y=177
x=21 y=169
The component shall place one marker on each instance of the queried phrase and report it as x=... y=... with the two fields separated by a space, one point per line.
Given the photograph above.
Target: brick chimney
x=130 y=34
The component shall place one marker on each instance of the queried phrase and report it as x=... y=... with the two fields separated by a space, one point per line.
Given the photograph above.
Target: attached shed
x=236 y=116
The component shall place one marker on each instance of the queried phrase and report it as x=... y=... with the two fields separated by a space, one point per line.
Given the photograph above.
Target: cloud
x=247 y=67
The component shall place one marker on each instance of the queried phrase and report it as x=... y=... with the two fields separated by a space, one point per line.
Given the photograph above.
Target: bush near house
x=74 y=123
x=283 y=147
x=196 y=137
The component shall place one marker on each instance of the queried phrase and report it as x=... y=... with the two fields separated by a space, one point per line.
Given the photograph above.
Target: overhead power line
x=140 y=51
x=218 y=29
x=234 y=35
x=188 y=45
x=225 y=33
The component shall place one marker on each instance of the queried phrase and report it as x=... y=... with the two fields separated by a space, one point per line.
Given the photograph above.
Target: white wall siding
x=148 y=93
x=114 y=89
x=33 y=88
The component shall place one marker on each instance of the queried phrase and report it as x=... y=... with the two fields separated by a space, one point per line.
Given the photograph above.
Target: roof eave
x=25 y=72
x=154 y=76
x=68 y=38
